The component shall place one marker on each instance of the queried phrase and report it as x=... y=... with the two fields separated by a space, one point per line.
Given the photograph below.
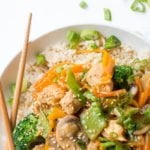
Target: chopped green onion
x=12 y=88
x=40 y=59
x=83 y=5
x=59 y=69
x=24 y=85
x=93 y=46
x=107 y=14
x=138 y=6
x=10 y=101
x=112 y=42
x=73 y=38
x=89 y=34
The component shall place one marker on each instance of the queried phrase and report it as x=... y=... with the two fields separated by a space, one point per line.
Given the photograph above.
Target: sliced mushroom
x=70 y=104
x=114 y=131
x=66 y=132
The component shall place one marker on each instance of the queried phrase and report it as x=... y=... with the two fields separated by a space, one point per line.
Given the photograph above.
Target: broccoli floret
x=123 y=76
x=26 y=133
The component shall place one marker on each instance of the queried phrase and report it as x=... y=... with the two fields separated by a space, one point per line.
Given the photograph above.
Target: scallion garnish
x=40 y=59
x=107 y=14
x=73 y=38
x=83 y=5
x=138 y=6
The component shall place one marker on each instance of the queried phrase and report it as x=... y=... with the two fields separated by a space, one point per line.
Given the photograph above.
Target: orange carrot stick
x=111 y=94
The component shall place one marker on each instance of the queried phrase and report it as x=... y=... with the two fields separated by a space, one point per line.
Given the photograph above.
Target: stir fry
x=98 y=105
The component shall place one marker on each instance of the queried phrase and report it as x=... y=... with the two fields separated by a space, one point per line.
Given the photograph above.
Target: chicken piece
x=93 y=145
x=94 y=74
x=66 y=132
x=70 y=104
x=114 y=131
x=51 y=94
x=51 y=143
x=97 y=78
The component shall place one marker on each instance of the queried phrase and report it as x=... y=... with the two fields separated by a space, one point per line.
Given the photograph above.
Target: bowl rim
x=115 y=27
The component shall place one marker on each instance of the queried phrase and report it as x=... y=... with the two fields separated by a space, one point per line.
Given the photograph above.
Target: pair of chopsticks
x=10 y=124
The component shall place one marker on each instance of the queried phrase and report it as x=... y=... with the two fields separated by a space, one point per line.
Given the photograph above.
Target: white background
x=52 y=14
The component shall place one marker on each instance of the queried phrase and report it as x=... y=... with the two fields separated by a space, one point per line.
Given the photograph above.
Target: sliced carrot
x=116 y=93
x=77 y=68
x=144 y=97
x=47 y=79
x=139 y=84
x=147 y=142
x=56 y=113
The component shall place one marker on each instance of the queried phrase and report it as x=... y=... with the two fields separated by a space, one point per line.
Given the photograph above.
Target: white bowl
x=51 y=38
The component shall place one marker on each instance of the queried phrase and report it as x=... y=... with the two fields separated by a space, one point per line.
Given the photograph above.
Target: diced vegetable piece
x=89 y=34
x=92 y=46
x=43 y=124
x=108 y=144
x=75 y=86
x=12 y=88
x=90 y=96
x=127 y=118
x=107 y=14
x=81 y=144
x=112 y=42
x=40 y=59
x=10 y=101
x=55 y=113
x=123 y=76
x=138 y=6
x=93 y=120
x=83 y=5
x=26 y=133
x=24 y=85
x=73 y=38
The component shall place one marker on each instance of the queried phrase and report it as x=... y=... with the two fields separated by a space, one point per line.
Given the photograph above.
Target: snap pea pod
x=93 y=120
x=75 y=86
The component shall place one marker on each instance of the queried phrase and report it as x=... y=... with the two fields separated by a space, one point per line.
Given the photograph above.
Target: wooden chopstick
x=6 y=119
x=20 y=75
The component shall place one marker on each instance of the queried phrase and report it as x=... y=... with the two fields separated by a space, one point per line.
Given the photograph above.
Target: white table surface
x=52 y=14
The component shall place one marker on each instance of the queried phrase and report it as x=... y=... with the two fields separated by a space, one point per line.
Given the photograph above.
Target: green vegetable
x=43 y=124
x=138 y=6
x=127 y=118
x=89 y=34
x=73 y=38
x=108 y=144
x=92 y=46
x=75 y=86
x=89 y=95
x=93 y=120
x=26 y=133
x=83 y=5
x=123 y=76
x=141 y=65
x=112 y=42
x=40 y=59
x=81 y=144
x=24 y=85
x=12 y=88
x=107 y=14
x=10 y=101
